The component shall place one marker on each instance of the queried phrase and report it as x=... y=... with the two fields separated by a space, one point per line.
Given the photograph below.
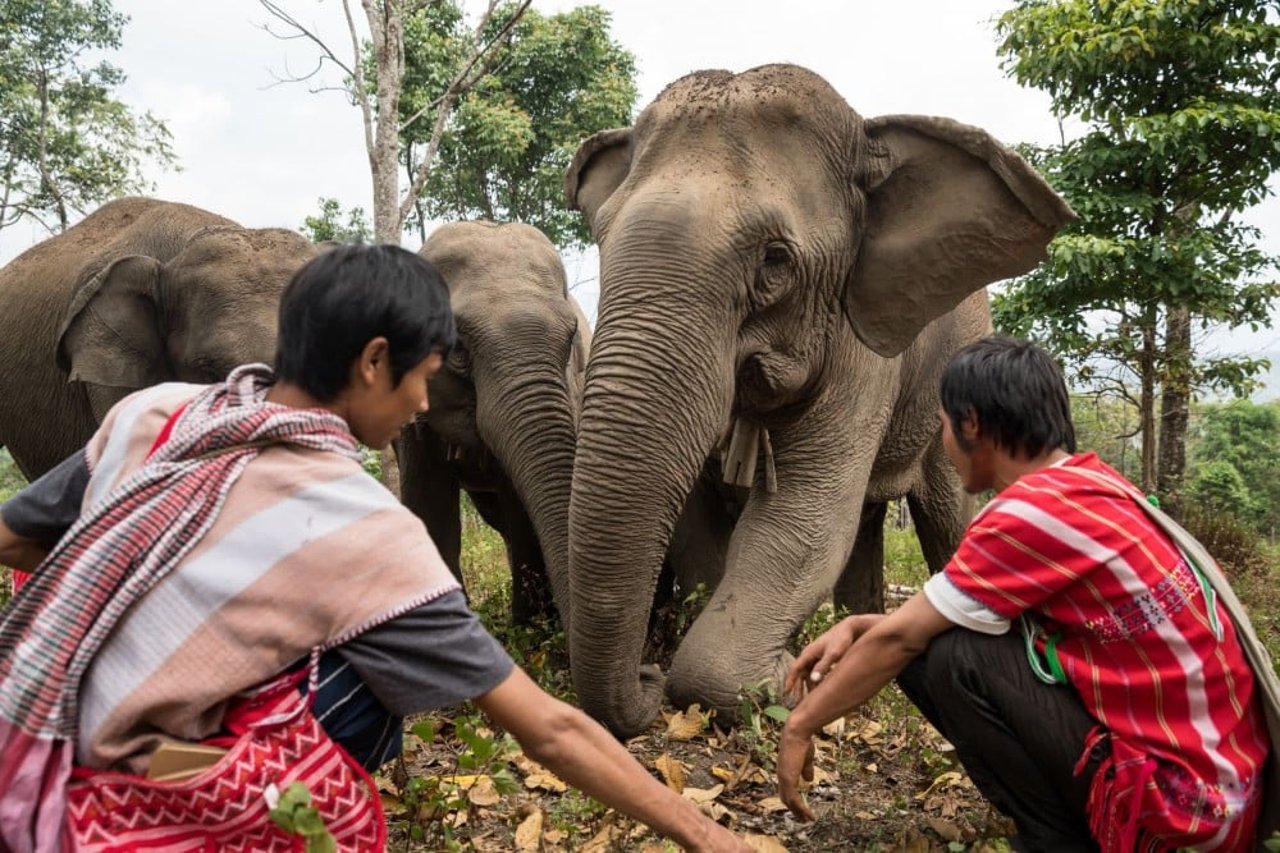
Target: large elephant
x=140 y=291
x=769 y=260
x=501 y=422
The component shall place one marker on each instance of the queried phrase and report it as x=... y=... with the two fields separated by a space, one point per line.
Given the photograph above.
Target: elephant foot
x=725 y=686
x=627 y=713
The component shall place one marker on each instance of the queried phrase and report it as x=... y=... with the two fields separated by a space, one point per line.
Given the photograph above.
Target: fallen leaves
x=880 y=775
x=687 y=724
x=764 y=844
x=672 y=770
x=529 y=832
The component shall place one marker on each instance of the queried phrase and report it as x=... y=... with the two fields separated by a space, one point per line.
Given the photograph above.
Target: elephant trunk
x=646 y=430
x=526 y=420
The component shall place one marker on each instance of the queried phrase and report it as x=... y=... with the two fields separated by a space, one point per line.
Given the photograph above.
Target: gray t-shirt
x=433 y=656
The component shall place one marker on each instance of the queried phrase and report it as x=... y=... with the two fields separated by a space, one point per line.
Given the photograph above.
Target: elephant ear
x=601 y=164
x=949 y=210
x=111 y=334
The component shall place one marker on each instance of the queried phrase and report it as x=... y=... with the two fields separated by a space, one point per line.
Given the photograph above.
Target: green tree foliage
x=1238 y=442
x=68 y=144
x=1177 y=103
x=1107 y=426
x=506 y=146
x=330 y=224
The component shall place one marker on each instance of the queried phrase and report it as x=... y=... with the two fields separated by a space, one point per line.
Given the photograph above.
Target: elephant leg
x=861 y=585
x=430 y=491
x=940 y=508
x=530 y=587
x=787 y=551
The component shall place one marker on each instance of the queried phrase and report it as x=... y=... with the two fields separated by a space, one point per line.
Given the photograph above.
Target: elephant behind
x=503 y=408
x=139 y=292
x=779 y=271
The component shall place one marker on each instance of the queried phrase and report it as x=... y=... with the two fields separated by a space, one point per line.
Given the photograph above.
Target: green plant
x=427 y=802
x=575 y=814
x=292 y=811
x=762 y=715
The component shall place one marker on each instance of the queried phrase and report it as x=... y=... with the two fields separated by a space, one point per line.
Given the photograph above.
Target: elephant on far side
x=503 y=408
x=139 y=292
x=786 y=278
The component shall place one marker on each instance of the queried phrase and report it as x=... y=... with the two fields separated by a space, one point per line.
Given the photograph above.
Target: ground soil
x=885 y=781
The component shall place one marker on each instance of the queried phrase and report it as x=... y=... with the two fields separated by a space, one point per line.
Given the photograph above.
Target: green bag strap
x=1052 y=673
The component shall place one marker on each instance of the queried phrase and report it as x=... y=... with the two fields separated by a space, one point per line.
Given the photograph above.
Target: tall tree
x=505 y=149
x=1178 y=107
x=68 y=143
x=373 y=69
x=373 y=76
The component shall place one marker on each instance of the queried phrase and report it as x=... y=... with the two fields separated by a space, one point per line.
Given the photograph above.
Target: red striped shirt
x=1138 y=644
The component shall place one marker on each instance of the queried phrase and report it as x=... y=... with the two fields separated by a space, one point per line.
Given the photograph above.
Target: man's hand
x=795 y=761
x=818 y=657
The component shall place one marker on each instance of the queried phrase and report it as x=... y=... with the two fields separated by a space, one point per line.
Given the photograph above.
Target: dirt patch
x=885 y=780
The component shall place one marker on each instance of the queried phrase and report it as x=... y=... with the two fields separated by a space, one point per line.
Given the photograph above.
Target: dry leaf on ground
x=686 y=725
x=482 y=793
x=545 y=781
x=764 y=844
x=702 y=795
x=603 y=841
x=672 y=770
x=945 y=780
x=772 y=804
x=529 y=833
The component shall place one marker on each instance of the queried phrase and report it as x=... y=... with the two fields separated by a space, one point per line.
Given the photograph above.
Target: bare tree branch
x=301 y=32
x=479 y=63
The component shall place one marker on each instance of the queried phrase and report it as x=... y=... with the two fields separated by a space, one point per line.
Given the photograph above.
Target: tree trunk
x=1175 y=405
x=1147 y=406
x=386 y=24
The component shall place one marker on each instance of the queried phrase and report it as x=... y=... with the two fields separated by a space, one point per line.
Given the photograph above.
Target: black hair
x=1015 y=392
x=340 y=300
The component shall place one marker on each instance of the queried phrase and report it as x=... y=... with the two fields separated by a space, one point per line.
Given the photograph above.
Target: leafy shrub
x=1232 y=542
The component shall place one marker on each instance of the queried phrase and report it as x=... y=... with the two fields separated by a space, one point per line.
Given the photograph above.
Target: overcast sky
x=263 y=154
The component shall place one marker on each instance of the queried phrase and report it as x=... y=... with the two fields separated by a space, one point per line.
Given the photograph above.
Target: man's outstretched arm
x=579 y=750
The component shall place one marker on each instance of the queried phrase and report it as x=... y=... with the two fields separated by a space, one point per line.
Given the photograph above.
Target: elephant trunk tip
x=628 y=712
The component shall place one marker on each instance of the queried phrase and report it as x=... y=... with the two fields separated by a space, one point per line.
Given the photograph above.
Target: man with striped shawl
x=1121 y=712
x=210 y=538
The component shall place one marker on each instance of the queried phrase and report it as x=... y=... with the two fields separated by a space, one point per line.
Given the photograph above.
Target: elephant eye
x=459 y=359
x=775 y=275
x=776 y=254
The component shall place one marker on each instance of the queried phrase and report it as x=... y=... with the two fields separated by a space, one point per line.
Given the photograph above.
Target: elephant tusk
x=739 y=461
x=770 y=472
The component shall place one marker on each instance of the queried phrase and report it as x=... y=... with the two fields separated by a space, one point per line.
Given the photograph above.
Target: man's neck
x=288 y=394
x=1009 y=468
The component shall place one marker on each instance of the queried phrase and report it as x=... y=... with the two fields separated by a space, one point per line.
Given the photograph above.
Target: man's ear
x=374 y=357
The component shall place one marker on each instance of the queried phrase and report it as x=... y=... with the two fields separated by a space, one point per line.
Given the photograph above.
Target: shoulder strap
x=1195 y=554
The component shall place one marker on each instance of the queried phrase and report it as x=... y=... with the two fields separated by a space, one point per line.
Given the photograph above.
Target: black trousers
x=1018 y=738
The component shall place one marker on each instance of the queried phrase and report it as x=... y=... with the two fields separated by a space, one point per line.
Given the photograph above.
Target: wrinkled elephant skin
x=501 y=422
x=139 y=292
x=771 y=260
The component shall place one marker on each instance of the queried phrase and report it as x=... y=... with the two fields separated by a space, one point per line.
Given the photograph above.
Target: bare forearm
x=586 y=756
x=871 y=663
x=18 y=552
x=582 y=753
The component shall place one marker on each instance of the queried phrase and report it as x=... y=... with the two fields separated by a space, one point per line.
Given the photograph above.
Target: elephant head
x=137 y=319
x=507 y=390
x=758 y=239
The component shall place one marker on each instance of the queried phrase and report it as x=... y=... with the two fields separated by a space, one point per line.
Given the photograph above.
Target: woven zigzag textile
x=225 y=807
